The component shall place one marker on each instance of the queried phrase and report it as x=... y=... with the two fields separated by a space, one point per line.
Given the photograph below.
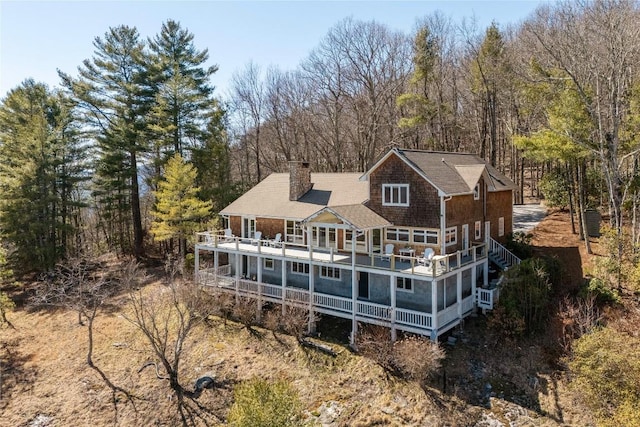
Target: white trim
x=396 y=193
x=478 y=230
x=453 y=233
x=404 y=281
x=305 y=268
x=326 y=269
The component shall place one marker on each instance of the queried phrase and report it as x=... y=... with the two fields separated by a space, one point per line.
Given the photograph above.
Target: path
x=526 y=217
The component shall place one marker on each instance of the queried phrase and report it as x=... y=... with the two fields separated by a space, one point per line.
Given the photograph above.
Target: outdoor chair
x=228 y=235
x=277 y=242
x=427 y=257
x=388 y=252
x=256 y=237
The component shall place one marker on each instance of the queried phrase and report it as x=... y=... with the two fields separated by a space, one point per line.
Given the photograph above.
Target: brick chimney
x=299 y=179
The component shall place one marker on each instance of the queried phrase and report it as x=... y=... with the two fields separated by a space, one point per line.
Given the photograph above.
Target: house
x=405 y=245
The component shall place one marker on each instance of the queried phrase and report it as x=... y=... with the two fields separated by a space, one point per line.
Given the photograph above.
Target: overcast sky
x=39 y=37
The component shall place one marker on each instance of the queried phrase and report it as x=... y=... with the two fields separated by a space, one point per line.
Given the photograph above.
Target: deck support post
x=392 y=314
x=284 y=286
x=474 y=291
x=434 y=310
x=354 y=290
x=259 y=278
x=459 y=293
x=238 y=268
x=311 y=326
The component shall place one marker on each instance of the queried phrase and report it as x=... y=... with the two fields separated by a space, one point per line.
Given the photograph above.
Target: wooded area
x=553 y=102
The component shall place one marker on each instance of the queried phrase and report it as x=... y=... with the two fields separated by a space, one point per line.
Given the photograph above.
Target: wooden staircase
x=504 y=259
x=501 y=256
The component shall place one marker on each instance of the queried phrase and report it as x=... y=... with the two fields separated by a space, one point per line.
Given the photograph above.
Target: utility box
x=592 y=218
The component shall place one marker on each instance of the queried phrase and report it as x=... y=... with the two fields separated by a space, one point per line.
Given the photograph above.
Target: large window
x=425 y=237
x=294 y=232
x=404 y=284
x=398 y=234
x=395 y=194
x=451 y=236
x=330 y=273
x=299 y=268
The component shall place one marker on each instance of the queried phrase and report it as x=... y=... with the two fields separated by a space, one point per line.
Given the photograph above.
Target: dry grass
x=44 y=372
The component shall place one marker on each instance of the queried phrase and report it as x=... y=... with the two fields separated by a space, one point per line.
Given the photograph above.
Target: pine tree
x=183 y=95
x=114 y=93
x=178 y=212
x=42 y=167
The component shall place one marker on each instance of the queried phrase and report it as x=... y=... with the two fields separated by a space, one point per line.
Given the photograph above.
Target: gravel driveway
x=526 y=217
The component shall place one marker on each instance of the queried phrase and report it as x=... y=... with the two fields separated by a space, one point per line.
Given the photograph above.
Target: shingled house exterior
x=405 y=245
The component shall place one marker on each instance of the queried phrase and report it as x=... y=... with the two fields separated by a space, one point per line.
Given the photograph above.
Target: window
x=268 y=264
x=294 y=232
x=423 y=236
x=451 y=236
x=404 y=284
x=330 y=273
x=478 y=229
x=395 y=194
x=398 y=234
x=299 y=268
x=476 y=192
x=501 y=226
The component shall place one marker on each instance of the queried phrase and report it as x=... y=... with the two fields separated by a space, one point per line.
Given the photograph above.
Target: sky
x=39 y=37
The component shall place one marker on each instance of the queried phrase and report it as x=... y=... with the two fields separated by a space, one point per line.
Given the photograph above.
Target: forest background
x=555 y=97
x=136 y=151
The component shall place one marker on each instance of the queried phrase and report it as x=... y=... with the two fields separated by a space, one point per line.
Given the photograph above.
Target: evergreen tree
x=418 y=102
x=178 y=212
x=114 y=93
x=41 y=170
x=490 y=71
x=183 y=94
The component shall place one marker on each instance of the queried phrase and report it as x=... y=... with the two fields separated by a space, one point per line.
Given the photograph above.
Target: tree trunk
x=138 y=232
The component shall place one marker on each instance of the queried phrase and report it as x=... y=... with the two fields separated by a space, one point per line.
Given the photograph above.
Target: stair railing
x=509 y=257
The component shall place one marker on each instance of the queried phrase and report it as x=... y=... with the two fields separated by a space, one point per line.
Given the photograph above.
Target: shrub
x=418 y=358
x=413 y=358
x=260 y=403
x=520 y=244
x=606 y=373
x=524 y=298
x=601 y=292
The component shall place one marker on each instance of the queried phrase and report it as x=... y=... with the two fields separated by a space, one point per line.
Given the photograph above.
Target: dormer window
x=476 y=192
x=395 y=194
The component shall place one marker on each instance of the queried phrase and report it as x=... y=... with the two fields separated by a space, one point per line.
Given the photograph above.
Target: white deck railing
x=333 y=302
x=440 y=264
x=377 y=313
x=503 y=253
x=486 y=298
x=414 y=318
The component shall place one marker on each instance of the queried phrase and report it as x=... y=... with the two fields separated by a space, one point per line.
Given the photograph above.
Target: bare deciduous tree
x=84 y=286
x=167 y=317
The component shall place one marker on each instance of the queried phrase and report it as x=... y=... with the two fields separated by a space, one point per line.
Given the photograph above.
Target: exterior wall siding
x=499 y=204
x=424 y=203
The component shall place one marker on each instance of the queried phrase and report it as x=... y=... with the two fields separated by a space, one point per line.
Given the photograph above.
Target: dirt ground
x=45 y=380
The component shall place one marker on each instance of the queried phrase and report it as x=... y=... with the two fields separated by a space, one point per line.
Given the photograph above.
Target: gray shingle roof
x=358 y=215
x=270 y=197
x=454 y=173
